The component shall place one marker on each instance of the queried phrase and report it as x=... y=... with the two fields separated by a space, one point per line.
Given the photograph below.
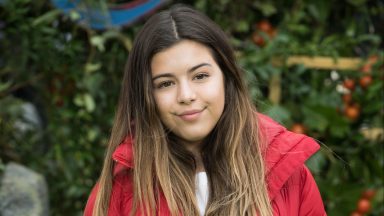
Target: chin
x=193 y=138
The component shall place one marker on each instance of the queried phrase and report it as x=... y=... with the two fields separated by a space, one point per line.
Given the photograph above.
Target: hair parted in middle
x=232 y=153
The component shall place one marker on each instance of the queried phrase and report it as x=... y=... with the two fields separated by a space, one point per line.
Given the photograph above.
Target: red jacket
x=291 y=186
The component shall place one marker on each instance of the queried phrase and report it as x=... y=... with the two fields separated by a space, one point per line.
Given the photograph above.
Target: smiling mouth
x=190 y=115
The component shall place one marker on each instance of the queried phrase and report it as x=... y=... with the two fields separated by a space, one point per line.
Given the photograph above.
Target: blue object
x=103 y=17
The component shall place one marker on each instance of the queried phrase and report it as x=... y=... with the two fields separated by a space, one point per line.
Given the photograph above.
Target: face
x=188 y=87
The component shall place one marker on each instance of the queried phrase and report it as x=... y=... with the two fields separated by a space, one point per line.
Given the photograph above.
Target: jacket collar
x=285 y=153
x=123 y=155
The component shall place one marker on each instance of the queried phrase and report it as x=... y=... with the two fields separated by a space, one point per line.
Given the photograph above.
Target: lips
x=190 y=115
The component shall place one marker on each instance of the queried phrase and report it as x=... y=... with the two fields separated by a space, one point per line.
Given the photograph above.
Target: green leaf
x=85 y=100
x=376 y=39
x=91 y=67
x=78 y=100
x=278 y=113
x=48 y=17
x=316 y=162
x=89 y=102
x=301 y=29
x=314 y=120
x=98 y=41
x=356 y=3
x=242 y=26
x=266 y=8
x=74 y=15
x=5 y=86
x=92 y=134
x=374 y=90
x=93 y=82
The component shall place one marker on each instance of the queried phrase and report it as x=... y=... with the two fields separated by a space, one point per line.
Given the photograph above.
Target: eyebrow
x=189 y=71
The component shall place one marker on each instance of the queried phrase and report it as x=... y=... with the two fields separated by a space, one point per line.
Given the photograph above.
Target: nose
x=186 y=94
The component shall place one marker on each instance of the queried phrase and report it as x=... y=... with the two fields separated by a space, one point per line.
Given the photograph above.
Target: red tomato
x=355 y=213
x=366 y=68
x=258 y=39
x=352 y=112
x=373 y=59
x=349 y=84
x=365 y=81
x=298 y=128
x=368 y=194
x=264 y=26
x=363 y=206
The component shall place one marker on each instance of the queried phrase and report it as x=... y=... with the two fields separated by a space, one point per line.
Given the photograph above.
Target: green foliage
x=72 y=74
x=48 y=56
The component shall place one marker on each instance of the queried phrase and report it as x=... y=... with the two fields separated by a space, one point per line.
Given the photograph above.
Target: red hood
x=286 y=151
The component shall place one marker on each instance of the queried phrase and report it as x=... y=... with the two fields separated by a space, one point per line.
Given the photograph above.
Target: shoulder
x=278 y=139
x=285 y=152
x=299 y=196
x=122 y=192
x=291 y=186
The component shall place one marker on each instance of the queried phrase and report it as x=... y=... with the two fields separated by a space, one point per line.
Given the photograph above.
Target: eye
x=164 y=84
x=201 y=76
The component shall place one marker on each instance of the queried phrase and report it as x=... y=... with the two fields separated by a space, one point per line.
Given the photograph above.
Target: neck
x=195 y=149
x=199 y=163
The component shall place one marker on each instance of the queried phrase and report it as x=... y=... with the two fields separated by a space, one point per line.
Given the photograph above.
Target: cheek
x=221 y=97
x=218 y=96
x=163 y=104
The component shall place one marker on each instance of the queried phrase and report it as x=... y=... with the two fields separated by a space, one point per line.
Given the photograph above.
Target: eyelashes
x=164 y=84
x=168 y=83
x=201 y=76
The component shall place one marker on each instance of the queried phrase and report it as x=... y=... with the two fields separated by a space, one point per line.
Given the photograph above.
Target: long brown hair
x=232 y=153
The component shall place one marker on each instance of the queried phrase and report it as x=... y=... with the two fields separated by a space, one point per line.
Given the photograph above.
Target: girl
x=187 y=139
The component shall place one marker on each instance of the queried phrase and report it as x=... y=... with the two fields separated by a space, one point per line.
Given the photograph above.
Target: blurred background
x=314 y=66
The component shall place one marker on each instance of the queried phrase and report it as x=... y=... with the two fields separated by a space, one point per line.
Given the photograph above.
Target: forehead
x=184 y=54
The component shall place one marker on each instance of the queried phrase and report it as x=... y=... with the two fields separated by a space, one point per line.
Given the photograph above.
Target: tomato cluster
x=263 y=30
x=363 y=205
x=351 y=108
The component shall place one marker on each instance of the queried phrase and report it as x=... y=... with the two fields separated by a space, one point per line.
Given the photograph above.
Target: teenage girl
x=186 y=138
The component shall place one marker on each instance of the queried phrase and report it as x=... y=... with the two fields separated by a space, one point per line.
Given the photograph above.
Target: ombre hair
x=232 y=152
